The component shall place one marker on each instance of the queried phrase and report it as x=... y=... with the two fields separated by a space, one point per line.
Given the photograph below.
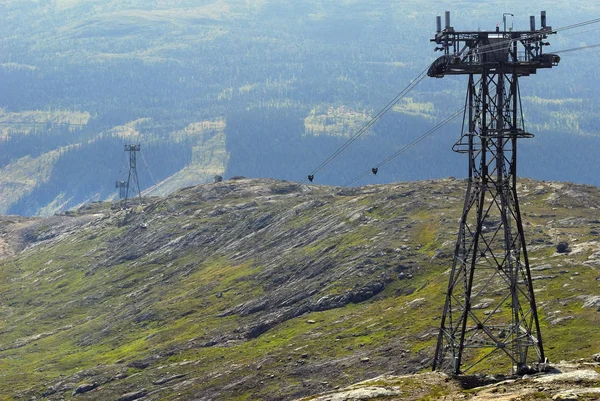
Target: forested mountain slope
x=261 y=88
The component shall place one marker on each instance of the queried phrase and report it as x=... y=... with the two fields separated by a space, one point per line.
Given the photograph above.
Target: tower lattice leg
x=132 y=179
x=490 y=308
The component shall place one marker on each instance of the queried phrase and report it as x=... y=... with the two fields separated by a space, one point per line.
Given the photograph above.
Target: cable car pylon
x=490 y=310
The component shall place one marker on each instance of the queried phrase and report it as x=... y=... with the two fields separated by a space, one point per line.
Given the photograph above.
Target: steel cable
x=419 y=78
x=371 y=122
x=408 y=146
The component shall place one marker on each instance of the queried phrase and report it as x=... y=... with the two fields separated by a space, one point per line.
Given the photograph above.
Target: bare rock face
x=165 y=380
x=565 y=397
x=575 y=383
x=354 y=296
x=132 y=396
x=577 y=394
x=272 y=289
x=563 y=247
x=60 y=387
x=365 y=393
x=84 y=388
x=573 y=376
x=591 y=301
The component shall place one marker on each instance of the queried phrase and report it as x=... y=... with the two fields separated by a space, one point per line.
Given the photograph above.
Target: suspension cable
x=369 y=123
x=407 y=147
x=417 y=80
x=578 y=33
x=148 y=170
x=577 y=48
x=579 y=24
x=454 y=115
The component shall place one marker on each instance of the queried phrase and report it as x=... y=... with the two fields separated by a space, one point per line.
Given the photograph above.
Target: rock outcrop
x=262 y=288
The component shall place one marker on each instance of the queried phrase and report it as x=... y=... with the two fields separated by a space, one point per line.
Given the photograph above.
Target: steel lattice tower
x=132 y=179
x=122 y=187
x=490 y=303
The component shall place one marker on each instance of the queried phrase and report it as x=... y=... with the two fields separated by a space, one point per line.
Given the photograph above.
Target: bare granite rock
x=573 y=376
x=365 y=393
x=84 y=388
x=132 y=396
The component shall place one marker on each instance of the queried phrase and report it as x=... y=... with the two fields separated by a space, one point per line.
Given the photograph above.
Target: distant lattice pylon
x=133 y=183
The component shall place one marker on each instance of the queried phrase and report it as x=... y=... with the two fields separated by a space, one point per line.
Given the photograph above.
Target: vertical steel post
x=490 y=311
x=132 y=179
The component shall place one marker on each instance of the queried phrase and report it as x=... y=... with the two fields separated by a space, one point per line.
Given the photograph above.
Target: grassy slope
x=98 y=298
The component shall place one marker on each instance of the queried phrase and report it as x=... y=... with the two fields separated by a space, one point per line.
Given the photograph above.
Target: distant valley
x=258 y=89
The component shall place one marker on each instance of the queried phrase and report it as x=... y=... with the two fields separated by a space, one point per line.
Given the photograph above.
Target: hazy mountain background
x=262 y=88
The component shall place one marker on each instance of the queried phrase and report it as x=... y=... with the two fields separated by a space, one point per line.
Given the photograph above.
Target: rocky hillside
x=563 y=382
x=263 y=289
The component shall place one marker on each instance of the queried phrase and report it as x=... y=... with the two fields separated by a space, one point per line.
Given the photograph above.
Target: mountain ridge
x=266 y=289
